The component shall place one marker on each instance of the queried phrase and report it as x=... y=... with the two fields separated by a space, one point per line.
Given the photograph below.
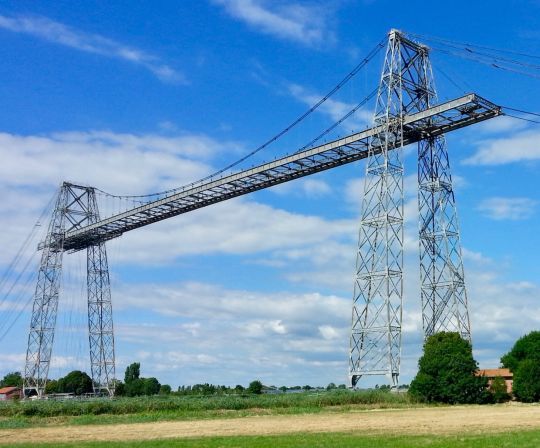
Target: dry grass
x=443 y=421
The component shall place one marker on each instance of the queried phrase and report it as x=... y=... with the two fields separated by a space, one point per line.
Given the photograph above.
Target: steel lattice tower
x=75 y=207
x=375 y=346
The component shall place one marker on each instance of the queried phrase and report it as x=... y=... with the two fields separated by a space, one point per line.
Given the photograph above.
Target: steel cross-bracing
x=406 y=113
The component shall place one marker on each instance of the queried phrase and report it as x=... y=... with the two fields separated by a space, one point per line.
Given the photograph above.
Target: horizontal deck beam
x=432 y=122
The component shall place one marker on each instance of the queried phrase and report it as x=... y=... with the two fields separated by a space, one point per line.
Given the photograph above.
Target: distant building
x=490 y=374
x=9 y=393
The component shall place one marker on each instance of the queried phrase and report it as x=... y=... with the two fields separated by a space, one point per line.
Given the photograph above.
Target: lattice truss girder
x=75 y=207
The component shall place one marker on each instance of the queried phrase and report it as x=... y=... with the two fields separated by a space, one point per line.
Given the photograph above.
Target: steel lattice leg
x=377 y=303
x=44 y=310
x=100 y=320
x=444 y=298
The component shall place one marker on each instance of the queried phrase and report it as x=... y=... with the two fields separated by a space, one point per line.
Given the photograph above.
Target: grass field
x=151 y=409
x=333 y=419
x=523 y=439
x=506 y=425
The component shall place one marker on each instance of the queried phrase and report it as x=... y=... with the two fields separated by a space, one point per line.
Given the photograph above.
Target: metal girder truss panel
x=75 y=207
x=437 y=120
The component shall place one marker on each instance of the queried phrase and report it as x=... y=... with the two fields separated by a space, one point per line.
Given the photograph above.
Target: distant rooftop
x=490 y=373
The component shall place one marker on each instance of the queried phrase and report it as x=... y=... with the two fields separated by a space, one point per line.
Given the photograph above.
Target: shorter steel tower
x=75 y=207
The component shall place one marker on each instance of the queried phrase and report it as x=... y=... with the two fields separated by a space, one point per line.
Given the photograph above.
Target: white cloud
x=519 y=147
x=500 y=124
x=309 y=187
x=123 y=163
x=58 y=33
x=332 y=108
x=508 y=208
x=299 y=22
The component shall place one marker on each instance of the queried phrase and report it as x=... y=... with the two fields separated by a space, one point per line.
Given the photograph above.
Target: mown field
x=331 y=419
x=147 y=409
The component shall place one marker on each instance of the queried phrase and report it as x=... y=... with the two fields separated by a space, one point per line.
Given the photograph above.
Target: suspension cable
x=465 y=44
x=312 y=109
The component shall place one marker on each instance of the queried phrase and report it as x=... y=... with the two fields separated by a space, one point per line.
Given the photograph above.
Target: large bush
x=524 y=362
x=527 y=381
x=447 y=372
x=526 y=347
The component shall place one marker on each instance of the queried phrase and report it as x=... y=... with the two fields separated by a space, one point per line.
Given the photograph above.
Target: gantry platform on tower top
x=431 y=122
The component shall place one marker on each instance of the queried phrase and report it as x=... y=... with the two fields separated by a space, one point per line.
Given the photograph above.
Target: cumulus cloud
x=513 y=209
x=61 y=34
x=522 y=146
x=299 y=22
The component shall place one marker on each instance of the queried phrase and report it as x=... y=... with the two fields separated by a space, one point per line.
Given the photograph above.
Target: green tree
x=151 y=386
x=135 y=388
x=133 y=372
x=498 y=390
x=255 y=387
x=526 y=347
x=527 y=381
x=12 y=379
x=75 y=382
x=51 y=387
x=446 y=372
x=165 y=389
x=119 y=389
x=331 y=386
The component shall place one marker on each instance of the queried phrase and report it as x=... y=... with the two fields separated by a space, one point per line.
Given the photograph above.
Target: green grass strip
x=521 y=439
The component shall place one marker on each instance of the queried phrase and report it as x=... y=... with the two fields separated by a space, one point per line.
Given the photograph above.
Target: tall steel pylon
x=406 y=87
x=75 y=207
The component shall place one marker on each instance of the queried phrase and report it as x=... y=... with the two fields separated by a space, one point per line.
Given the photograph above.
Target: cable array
x=496 y=58
x=273 y=139
x=16 y=292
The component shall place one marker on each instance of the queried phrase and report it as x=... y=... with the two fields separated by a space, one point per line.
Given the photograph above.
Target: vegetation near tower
x=524 y=361
x=12 y=379
x=526 y=347
x=447 y=372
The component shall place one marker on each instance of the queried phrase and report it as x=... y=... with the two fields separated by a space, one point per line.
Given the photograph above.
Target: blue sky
x=136 y=97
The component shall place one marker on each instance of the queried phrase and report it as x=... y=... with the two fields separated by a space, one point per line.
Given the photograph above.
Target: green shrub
x=526 y=347
x=447 y=372
x=527 y=381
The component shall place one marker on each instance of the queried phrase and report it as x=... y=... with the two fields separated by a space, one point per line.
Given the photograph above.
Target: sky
x=139 y=97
